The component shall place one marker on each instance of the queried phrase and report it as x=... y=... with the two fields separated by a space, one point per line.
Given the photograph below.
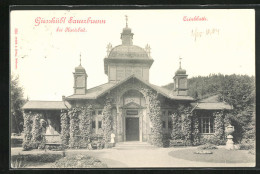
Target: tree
x=17 y=101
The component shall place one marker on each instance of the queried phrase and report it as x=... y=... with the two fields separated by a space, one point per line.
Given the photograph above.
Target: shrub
x=180 y=142
x=207 y=147
x=247 y=145
x=44 y=158
x=18 y=163
x=79 y=161
x=212 y=140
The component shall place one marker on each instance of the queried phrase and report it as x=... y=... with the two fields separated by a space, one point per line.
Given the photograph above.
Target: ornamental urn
x=230 y=129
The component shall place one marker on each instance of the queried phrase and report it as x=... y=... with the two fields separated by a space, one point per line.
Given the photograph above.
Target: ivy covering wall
x=195 y=129
x=219 y=126
x=36 y=131
x=107 y=121
x=154 y=112
x=65 y=127
x=182 y=124
x=85 y=125
x=33 y=130
x=27 y=130
x=74 y=127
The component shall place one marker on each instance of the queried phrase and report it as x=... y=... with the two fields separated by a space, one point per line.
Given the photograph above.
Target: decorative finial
x=126 y=19
x=109 y=48
x=148 y=49
x=80 y=59
x=180 y=62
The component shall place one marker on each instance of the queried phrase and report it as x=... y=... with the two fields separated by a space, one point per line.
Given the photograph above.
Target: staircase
x=133 y=145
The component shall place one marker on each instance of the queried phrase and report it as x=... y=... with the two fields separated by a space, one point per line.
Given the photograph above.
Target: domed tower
x=180 y=82
x=127 y=59
x=80 y=79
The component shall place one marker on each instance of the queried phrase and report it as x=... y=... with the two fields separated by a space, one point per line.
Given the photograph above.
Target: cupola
x=180 y=81
x=80 y=79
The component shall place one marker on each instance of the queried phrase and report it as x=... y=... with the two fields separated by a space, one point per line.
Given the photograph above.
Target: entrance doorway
x=132 y=129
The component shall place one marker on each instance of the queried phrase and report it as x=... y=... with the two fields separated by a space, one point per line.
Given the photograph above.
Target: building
x=127 y=68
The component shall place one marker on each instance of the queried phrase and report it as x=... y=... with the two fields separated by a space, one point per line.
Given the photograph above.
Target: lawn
x=220 y=155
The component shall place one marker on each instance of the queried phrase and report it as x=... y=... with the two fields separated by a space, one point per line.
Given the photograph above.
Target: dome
x=80 y=69
x=127 y=30
x=128 y=52
x=180 y=72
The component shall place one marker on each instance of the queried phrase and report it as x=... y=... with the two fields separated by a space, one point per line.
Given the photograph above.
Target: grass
x=220 y=155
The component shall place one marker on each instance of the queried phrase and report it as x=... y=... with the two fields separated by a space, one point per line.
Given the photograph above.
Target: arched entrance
x=133 y=109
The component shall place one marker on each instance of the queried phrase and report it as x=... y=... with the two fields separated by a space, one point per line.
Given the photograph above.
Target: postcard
x=137 y=88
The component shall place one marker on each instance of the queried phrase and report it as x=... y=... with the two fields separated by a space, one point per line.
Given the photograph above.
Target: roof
x=211 y=103
x=46 y=105
x=92 y=93
x=128 y=52
x=98 y=91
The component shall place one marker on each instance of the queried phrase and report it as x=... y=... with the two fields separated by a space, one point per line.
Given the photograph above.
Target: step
x=133 y=145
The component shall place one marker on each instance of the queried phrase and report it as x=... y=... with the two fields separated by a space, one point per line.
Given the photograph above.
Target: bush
x=246 y=146
x=44 y=158
x=27 y=146
x=180 y=143
x=207 y=147
x=79 y=161
x=212 y=140
x=18 y=163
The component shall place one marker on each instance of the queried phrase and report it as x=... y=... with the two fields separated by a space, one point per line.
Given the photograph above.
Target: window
x=206 y=125
x=93 y=124
x=93 y=112
x=163 y=124
x=99 y=124
x=100 y=112
x=169 y=113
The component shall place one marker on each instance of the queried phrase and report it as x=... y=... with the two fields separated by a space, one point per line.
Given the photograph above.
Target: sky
x=224 y=42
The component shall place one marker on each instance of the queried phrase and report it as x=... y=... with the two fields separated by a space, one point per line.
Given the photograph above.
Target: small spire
x=126 y=20
x=180 y=62
x=80 y=59
x=109 y=48
x=148 y=49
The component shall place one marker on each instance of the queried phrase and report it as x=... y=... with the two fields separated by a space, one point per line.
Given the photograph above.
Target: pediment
x=132 y=105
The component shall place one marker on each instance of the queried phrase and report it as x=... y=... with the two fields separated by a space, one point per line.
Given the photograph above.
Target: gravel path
x=141 y=158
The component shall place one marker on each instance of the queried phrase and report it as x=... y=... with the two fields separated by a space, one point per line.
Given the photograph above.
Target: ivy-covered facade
x=128 y=105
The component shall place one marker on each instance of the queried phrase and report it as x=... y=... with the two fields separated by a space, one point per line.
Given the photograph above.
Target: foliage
x=154 y=111
x=195 y=132
x=36 y=131
x=219 y=125
x=27 y=131
x=74 y=127
x=181 y=124
x=44 y=158
x=65 y=128
x=18 y=163
x=79 y=161
x=180 y=142
x=85 y=125
x=207 y=146
x=107 y=121
x=17 y=102
x=212 y=140
x=176 y=127
x=247 y=144
x=236 y=90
